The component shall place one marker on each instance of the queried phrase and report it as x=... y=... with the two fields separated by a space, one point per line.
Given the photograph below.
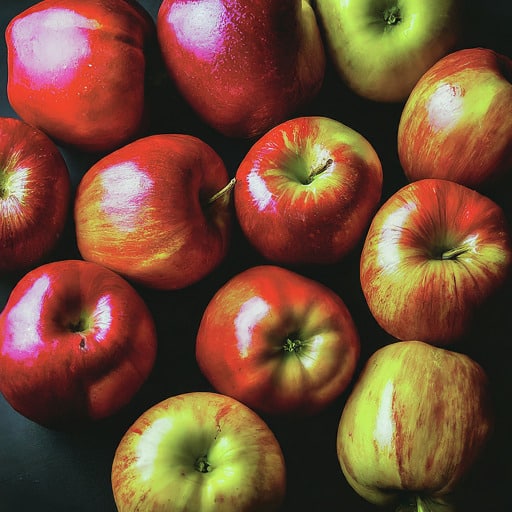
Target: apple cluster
x=262 y=244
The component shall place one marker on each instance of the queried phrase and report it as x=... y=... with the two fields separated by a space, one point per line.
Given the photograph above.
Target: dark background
x=46 y=470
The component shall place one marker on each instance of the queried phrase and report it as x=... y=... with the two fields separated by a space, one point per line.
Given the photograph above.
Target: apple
x=457 y=122
x=306 y=191
x=35 y=191
x=381 y=48
x=277 y=341
x=76 y=343
x=156 y=211
x=242 y=66
x=415 y=422
x=436 y=252
x=76 y=70
x=199 y=451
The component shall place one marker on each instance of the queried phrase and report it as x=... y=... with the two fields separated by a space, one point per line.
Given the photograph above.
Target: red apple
x=199 y=452
x=76 y=70
x=435 y=253
x=35 y=193
x=242 y=66
x=457 y=122
x=156 y=211
x=76 y=343
x=414 y=424
x=306 y=191
x=278 y=341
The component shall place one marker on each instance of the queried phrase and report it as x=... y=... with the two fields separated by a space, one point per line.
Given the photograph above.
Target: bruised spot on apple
x=199 y=451
x=306 y=191
x=76 y=343
x=277 y=341
x=435 y=253
x=417 y=419
x=164 y=202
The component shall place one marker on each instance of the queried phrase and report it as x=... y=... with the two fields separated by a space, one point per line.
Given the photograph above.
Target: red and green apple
x=414 y=424
x=457 y=122
x=436 y=252
x=157 y=211
x=306 y=191
x=278 y=341
x=199 y=451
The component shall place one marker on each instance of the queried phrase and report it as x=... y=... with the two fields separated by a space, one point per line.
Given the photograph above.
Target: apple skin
x=457 y=122
x=199 y=451
x=306 y=191
x=150 y=201
x=435 y=254
x=278 y=341
x=76 y=343
x=415 y=422
x=76 y=70
x=35 y=190
x=242 y=66
x=381 y=48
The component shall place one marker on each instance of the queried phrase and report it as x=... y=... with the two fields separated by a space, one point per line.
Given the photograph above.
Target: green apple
x=199 y=452
x=382 y=47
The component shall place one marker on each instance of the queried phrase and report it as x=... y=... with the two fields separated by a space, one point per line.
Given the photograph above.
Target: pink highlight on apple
x=446 y=106
x=196 y=25
x=54 y=43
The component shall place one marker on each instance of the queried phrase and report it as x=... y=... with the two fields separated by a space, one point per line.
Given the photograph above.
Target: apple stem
x=425 y=504
x=223 y=191
x=319 y=170
x=452 y=254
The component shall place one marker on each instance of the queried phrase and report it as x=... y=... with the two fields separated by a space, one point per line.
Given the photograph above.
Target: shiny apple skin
x=435 y=253
x=457 y=122
x=278 y=341
x=35 y=192
x=291 y=214
x=155 y=465
x=76 y=343
x=242 y=66
x=380 y=48
x=148 y=200
x=415 y=422
x=76 y=70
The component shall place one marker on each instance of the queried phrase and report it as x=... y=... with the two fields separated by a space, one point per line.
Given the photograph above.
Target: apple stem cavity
x=292 y=345
x=223 y=191
x=319 y=170
x=202 y=465
x=82 y=324
x=392 y=15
